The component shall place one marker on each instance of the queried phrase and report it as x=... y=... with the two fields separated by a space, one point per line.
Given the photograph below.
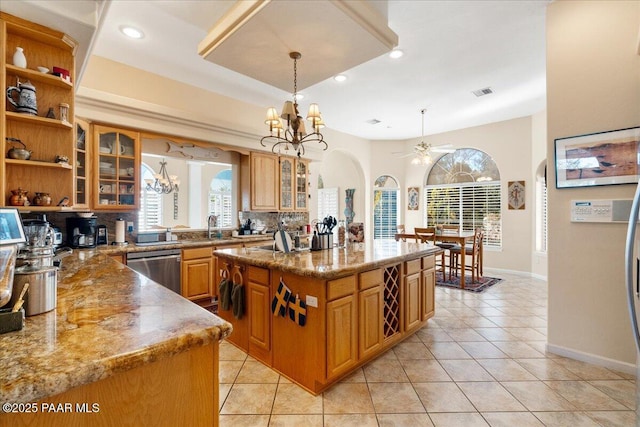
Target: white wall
x=510 y=144
x=593 y=85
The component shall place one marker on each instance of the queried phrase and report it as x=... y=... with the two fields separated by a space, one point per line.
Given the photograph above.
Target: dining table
x=461 y=238
x=449 y=236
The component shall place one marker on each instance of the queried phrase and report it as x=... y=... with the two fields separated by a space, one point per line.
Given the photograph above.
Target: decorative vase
x=19 y=197
x=19 y=60
x=348 y=210
x=42 y=199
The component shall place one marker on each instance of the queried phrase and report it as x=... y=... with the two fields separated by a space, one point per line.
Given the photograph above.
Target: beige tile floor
x=480 y=361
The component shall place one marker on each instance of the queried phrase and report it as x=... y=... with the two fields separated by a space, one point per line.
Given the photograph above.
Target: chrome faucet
x=212 y=222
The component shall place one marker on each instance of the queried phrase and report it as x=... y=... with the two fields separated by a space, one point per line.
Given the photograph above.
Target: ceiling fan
x=422 y=150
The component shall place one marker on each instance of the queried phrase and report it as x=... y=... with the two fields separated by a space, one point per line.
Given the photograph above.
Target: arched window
x=220 y=197
x=463 y=188
x=385 y=207
x=150 y=213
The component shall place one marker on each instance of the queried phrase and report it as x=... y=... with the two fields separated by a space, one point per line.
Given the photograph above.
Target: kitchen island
x=345 y=306
x=118 y=349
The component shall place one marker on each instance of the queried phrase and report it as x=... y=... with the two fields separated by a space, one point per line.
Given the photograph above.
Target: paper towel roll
x=119 y=230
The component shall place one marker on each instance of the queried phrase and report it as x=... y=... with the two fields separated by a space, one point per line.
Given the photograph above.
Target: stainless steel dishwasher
x=161 y=266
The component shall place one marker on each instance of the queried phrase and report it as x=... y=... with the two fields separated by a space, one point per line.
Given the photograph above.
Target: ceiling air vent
x=483 y=92
x=373 y=121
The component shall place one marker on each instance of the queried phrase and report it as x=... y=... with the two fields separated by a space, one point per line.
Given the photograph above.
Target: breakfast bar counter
x=118 y=347
x=317 y=316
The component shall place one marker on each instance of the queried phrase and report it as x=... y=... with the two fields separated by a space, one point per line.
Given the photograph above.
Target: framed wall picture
x=602 y=158
x=413 y=198
x=516 y=195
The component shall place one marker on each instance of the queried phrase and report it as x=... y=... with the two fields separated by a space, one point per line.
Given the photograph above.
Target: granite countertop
x=332 y=263
x=181 y=244
x=108 y=319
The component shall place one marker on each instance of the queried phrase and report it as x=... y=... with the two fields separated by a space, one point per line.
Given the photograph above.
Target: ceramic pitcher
x=26 y=98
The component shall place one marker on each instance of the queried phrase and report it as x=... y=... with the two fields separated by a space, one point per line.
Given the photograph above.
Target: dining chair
x=428 y=235
x=475 y=251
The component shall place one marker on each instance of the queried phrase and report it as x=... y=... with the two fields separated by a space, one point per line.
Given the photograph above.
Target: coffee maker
x=82 y=232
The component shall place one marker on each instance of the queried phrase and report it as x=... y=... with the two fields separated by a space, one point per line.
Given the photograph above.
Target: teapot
x=18 y=153
x=26 y=98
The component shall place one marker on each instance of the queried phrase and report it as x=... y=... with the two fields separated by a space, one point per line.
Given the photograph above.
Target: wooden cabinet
x=82 y=156
x=259 y=313
x=46 y=137
x=370 y=306
x=302 y=185
x=285 y=180
x=197 y=273
x=116 y=168
x=428 y=287
x=274 y=183
x=342 y=336
x=259 y=182
x=412 y=300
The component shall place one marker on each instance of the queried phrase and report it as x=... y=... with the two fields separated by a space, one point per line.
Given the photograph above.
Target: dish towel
x=280 y=300
x=297 y=310
x=225 y=294
x=237 y=300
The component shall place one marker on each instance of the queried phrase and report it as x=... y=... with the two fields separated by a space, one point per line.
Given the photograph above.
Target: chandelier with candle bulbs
x=163 y=183
x=295 y=134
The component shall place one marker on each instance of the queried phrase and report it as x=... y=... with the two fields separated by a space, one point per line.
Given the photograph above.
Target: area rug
x=477 y=286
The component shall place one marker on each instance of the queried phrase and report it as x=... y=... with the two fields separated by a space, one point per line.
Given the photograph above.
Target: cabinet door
x=371 y=322
x=302 y=190
x=286 y=183
x=412 y=316
x=196 y=280
x=264 y=180
x=116 y=169
x=428 y=293
x=258 y=304
x=342 y=339
x=82 y=156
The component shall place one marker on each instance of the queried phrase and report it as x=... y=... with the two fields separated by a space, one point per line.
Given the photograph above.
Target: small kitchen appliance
x=102 y=236
x=82 y=232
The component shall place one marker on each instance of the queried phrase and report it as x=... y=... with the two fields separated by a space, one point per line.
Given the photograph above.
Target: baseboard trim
x=617 y=365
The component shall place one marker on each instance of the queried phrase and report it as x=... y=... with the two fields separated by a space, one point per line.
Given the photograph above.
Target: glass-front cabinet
x=286 y=183
x=302 y=185
x=116 y=171
x=82 y=151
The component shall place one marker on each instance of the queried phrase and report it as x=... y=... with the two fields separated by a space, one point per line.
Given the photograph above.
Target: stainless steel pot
x=42 y=292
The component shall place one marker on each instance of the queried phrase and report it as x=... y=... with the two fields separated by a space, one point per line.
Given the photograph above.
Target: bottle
x=315 y=243
x=19 y=60
x=168 y=235
x=296 y=240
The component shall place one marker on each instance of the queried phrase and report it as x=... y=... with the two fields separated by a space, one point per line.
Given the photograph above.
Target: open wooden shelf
x=38 y=163
x=37 y=76
x=28 y=118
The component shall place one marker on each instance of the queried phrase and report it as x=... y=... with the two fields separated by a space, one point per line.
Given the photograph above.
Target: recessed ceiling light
x=340 y=78
x=396 y=53
x=131 y=32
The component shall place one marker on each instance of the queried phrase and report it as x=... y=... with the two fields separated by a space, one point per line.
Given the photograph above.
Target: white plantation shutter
x=469 y=205
x=541 y=215
x=385 y=213
x=150 y=213
x=328 y=202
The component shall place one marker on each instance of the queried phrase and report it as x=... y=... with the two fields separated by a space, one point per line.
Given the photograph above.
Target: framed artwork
x=11 y=230
x=516 y=195
x=413 y=198
x=602 y=158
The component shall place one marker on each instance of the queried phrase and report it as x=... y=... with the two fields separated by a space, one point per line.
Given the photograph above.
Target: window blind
x=150 y=213
x=328 y=202
x=220 y=205
x=385 y=213
x=468 y=205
